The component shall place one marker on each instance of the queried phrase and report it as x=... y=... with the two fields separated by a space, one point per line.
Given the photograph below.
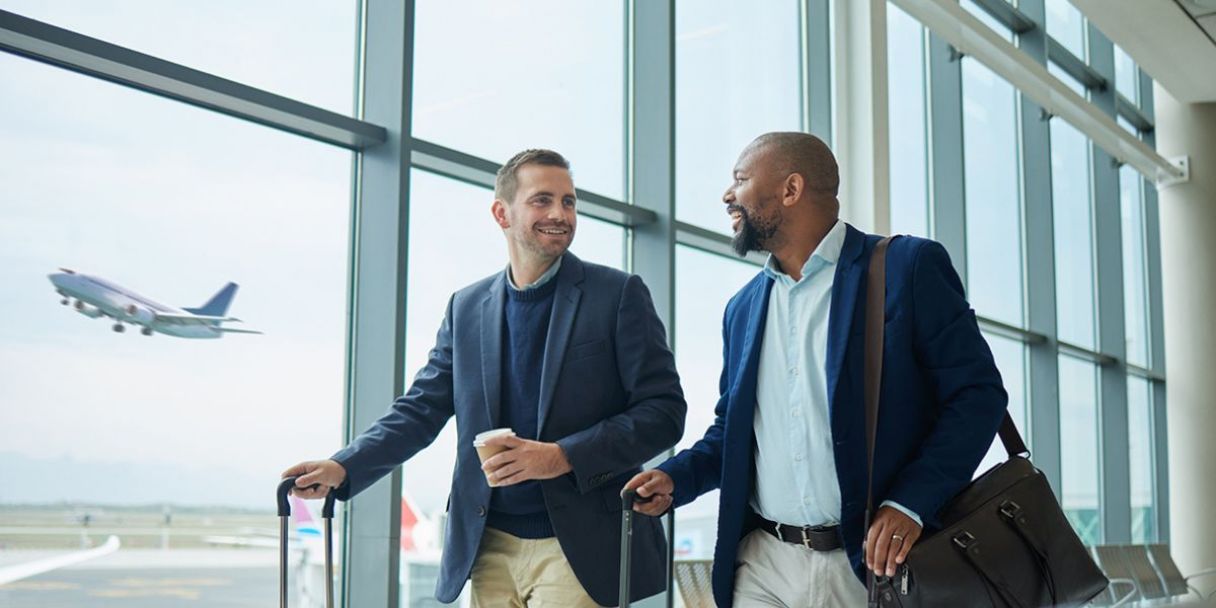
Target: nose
x=728 y=197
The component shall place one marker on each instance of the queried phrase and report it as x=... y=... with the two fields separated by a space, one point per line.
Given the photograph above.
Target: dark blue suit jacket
x=610 y=396
x=941 y=402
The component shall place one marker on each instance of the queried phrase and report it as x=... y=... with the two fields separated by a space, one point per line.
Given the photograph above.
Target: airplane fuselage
x=95 y=297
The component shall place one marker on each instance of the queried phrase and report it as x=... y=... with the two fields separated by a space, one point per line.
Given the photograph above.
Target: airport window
x=908 y=141
x=1067 y=26
x=1127 y=76
x=1080 y=485
x=1072 y=209
x=1140 y=454
x=704 y=284
x=300 y=49
x=1135 y=279
x=540 y=75
x=991 y=186
x=439 y=208
x=1010 y=356
x=737 y=76
x=170 y=443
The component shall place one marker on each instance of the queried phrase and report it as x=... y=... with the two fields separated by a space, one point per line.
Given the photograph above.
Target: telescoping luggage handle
x=628 y=497
x=327 y=514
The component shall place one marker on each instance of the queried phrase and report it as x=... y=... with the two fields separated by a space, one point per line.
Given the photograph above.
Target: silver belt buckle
x=806 y=540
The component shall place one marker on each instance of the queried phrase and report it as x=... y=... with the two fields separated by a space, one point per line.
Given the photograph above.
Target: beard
x=753 y=234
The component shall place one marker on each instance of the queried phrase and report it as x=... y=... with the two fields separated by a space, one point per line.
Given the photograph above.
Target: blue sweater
x=520 y=509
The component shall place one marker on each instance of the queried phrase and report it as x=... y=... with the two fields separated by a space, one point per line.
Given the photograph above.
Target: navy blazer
x=610 y=396
x=941 y=401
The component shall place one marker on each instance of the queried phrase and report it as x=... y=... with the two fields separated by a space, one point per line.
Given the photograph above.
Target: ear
x=792 y=189
x=499 y=211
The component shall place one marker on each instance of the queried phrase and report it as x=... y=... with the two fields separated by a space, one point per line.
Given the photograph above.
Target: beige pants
x=515 y=572
x=776 y=573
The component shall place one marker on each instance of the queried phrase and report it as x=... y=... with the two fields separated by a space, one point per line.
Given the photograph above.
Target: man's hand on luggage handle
x=524 y=460
x=654 y=488
x=325 y=474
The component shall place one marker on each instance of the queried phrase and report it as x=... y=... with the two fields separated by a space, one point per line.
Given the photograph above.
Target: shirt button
x=795 y=412
x=798 y=457
x=806 y=500
x=481 y=511
x=793 y=371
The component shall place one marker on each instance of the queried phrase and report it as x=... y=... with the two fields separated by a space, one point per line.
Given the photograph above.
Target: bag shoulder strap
x=876 y=296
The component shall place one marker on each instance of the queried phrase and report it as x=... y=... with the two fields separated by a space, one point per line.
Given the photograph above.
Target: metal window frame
x=67 y=49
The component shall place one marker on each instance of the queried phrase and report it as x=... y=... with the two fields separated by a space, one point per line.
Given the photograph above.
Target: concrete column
x=1188 y=250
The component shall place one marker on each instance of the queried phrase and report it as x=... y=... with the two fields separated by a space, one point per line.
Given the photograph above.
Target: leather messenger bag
x=1004 y=540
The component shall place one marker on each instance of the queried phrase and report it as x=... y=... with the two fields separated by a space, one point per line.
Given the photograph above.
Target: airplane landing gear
x=147 y=331
x=119 y=328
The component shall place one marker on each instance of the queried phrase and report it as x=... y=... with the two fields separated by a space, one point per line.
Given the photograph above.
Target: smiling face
x=540 y=219
x=753 y=201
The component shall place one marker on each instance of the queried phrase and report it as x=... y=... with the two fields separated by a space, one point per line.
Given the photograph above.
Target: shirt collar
x=540 y=282
x=827 y=253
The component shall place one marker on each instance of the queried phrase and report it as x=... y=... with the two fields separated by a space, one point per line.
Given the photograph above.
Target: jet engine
x=91 y=312
x=139 y=314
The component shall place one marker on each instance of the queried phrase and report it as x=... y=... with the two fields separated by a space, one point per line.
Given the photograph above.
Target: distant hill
x=25 y=480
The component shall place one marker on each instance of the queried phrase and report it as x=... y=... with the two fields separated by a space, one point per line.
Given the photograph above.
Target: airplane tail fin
x=217 y=306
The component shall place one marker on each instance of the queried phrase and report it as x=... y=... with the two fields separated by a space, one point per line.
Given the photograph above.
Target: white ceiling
x=1173 y=40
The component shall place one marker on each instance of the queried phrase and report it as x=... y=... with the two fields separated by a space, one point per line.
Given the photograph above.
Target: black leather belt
x=816 y=538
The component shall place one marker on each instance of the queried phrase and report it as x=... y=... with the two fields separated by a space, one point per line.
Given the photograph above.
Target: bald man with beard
x=788 y=445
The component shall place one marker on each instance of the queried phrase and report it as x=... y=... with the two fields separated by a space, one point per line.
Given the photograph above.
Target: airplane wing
x=229 y=330
x=10 y=574
x=189 y=319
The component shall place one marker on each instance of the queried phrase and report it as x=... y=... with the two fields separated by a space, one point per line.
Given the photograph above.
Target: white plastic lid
x=481 y=438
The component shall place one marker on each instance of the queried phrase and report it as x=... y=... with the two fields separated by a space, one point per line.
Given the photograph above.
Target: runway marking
x=39 y=586
x=170 y=582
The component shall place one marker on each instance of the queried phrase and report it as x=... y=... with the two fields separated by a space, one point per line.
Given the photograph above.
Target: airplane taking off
x=96 y=297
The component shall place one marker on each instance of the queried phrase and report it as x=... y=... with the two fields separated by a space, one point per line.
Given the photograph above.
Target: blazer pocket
x=586 y=349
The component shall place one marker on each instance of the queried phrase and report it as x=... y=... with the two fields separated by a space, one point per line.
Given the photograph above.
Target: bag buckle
x=964 y=539
x=1010 y=509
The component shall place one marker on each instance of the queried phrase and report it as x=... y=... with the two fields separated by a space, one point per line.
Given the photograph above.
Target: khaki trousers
x=776 y=573
x=515 y=572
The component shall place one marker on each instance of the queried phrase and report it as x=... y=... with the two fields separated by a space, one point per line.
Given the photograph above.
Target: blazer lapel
x=491 y=346
x=747 y=374
x=561 y=323
x=849 y=272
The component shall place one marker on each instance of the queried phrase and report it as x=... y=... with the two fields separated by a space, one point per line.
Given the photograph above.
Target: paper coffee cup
x=485 y=451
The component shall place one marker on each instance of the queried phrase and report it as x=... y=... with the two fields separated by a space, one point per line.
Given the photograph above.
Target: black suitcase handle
x=628 y=497
x=327 y=514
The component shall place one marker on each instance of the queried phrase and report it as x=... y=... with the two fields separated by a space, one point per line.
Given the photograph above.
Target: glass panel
x=1073 y=234
x=545 y=74
x=303 y=49
x=1140 y=454
x=1067 y=26
x=170 y=443
x=987 y=19
x=1135 y=285
x=909 y=145
x=993 y=219
x=1079 y=448
x=1010 y=358
x=437 y=270
x=704 y=283
x=1127 y=77
x=737 y=69
x=1127 y=126
x=1055 y=70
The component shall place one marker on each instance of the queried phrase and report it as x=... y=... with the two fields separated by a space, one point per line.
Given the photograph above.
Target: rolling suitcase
x=327 y=514
x=628 y=499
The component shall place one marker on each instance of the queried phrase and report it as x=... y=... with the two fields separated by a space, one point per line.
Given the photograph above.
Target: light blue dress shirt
x=540 y=281
x=796 y=480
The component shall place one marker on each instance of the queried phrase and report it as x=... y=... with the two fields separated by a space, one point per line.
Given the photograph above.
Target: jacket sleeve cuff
x=904 y=510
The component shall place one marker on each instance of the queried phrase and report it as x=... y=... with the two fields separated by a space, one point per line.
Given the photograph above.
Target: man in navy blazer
x=788 y=445
x=573 y=358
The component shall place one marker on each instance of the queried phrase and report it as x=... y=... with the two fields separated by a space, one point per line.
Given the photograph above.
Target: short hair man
x=788 y=446
x=573 y=358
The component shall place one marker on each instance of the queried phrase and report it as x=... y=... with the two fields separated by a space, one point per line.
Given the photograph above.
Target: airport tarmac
x=148 y=578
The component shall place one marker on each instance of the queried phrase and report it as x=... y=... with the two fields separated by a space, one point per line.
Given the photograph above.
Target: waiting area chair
x=694 y=579
x=1144 y=576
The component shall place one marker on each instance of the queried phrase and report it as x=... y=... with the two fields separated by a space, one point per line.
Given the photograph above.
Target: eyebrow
x=550 y=194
